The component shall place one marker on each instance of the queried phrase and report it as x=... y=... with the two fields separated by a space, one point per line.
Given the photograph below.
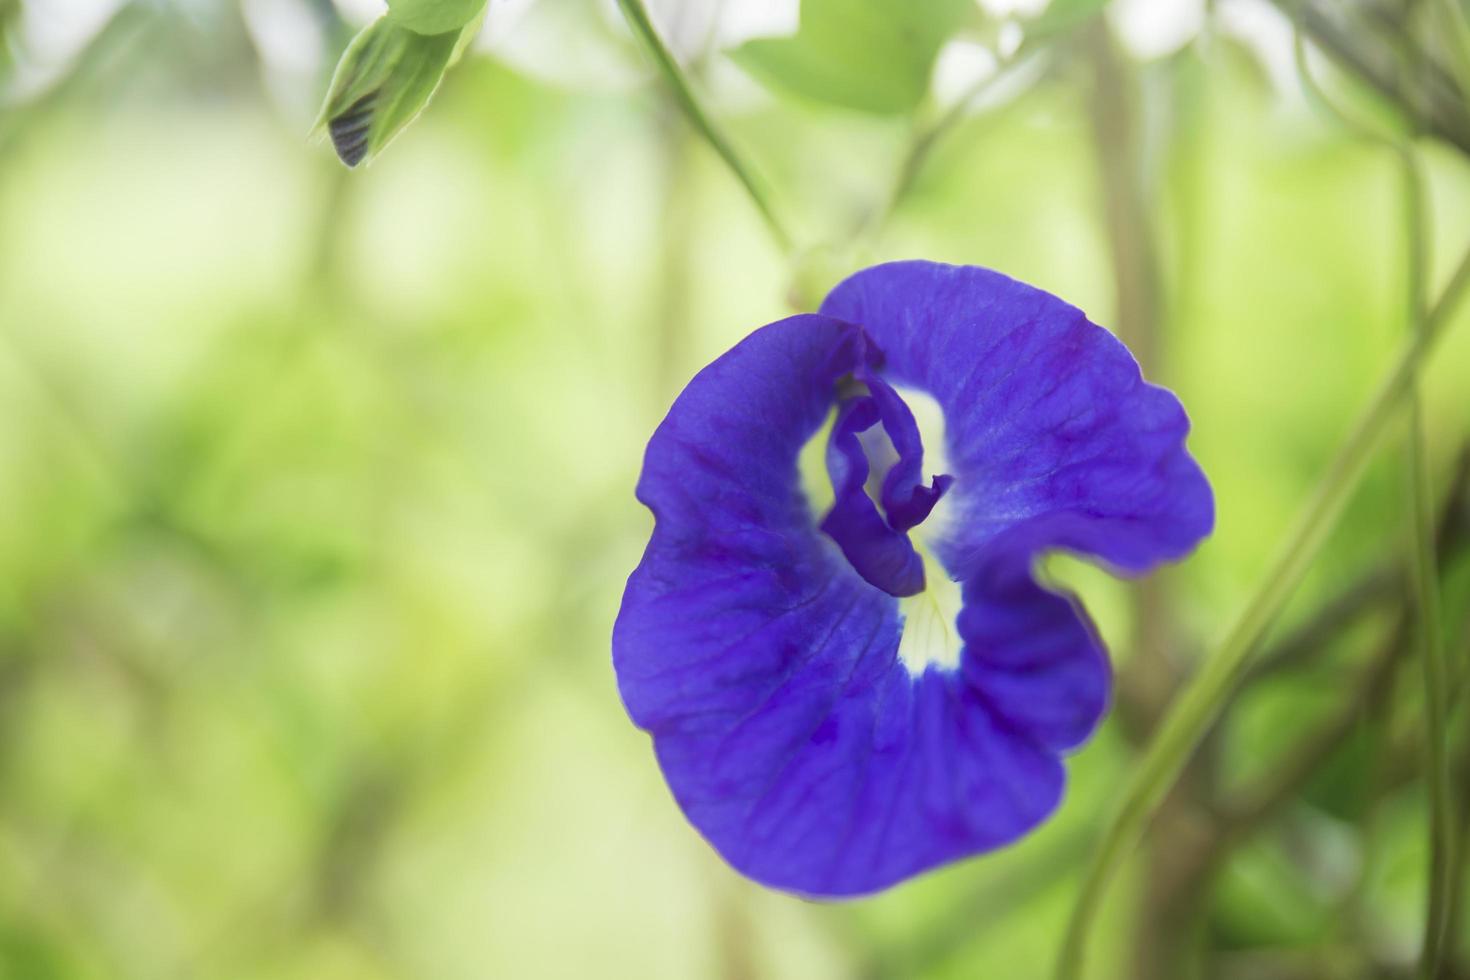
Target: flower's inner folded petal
x=906 y=500
x=881 y=555
x=875 y=438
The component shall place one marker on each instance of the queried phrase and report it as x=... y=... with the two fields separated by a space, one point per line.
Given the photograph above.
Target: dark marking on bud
x=349 y=130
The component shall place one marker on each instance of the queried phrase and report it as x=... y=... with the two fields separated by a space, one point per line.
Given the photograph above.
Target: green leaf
x=434 y=16
x=385 y=78
x=872 y=55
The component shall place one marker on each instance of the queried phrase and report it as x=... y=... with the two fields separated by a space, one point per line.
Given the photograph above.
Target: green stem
x=1424 y=580
x=1432 y=658
x=927 y=137
x=1446 y=114
x=637 y=17
x=1423 y=564
x=1423 y=573
x=1455 y=26
x=1196 y=709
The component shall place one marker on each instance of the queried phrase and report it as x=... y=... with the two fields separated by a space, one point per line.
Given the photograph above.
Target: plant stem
x=1196 y=709
x=1423 y=567
x=1432 y=658
x=1460 y=868
x=1455 y=25
x=1164 y=930
x=637 y=17
x=1251 y=807
x=1423 y=577
x=1447 y=117
x=926 y=137
x=1351 y=605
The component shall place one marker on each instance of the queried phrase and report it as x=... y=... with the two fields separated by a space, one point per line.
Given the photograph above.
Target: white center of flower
x=930 y=636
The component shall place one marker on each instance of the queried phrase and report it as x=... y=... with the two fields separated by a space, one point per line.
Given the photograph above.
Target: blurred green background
x=316 y=485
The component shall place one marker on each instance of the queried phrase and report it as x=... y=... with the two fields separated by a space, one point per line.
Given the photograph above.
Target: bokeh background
x=316 y=485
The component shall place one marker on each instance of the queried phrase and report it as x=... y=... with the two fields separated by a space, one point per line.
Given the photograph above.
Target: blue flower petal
x=1033 y=656
x=766 y=667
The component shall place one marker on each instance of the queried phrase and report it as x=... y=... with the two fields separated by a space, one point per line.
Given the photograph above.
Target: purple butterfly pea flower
x=840 y=701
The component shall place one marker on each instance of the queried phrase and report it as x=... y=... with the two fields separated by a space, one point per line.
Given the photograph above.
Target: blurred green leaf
x=433 y=16
x=385 y=78
x=871 y=55
x=1264 y=899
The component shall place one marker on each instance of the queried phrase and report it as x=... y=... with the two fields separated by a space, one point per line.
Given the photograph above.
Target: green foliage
x=433 y=16
x=1273 y=893
x=874 y=55
x=1061 y=16
x=385 y=78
